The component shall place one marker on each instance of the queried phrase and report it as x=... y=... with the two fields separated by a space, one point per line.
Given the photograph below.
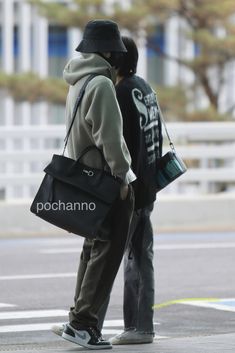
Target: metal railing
x=207 y=147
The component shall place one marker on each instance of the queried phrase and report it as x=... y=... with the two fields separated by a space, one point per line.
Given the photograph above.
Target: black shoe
x=88 y=337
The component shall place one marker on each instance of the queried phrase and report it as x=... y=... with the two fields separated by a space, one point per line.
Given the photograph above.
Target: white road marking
x=219 y=305
x=118 y=323
x=184 y=246
x=189 y=246
x=28 y=327
x=60 y=251
x=64 y=241
x=38 y=276
x=4 y=305
x=111 y=327
x=47 y=327
x=113 y=323
x=28 y=314
x=111 y=331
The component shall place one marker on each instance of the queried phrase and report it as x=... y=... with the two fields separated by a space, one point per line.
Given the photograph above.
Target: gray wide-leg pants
x=138 y=276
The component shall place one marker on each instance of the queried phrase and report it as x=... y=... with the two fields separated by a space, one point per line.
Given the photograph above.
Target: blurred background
x=187 y=53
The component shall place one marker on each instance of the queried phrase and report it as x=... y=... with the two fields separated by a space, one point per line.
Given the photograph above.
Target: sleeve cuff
x=128 y=177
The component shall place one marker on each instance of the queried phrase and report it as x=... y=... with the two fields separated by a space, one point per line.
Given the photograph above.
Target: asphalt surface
x=195 y=293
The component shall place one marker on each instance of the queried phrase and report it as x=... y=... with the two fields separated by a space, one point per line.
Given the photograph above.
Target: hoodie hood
x=87 y=64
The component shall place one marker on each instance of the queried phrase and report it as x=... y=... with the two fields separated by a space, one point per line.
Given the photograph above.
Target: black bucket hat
x=101 y=36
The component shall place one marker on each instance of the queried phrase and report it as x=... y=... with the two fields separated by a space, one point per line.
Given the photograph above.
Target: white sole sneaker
x=84 y=338
x=132 y=337
x=58 y=329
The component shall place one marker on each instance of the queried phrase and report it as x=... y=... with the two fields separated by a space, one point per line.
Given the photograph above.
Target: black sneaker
x=88 y=337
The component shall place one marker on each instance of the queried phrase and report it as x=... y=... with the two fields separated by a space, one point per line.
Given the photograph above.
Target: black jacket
x=143 y=135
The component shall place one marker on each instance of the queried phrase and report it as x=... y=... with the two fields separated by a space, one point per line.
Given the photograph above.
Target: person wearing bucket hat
x=98 y=122
x=102 y=36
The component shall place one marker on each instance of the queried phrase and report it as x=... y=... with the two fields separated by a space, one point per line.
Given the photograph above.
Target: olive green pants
x=99 y=263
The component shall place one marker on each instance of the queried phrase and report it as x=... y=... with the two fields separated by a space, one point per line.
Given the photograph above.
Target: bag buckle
x=88 y=172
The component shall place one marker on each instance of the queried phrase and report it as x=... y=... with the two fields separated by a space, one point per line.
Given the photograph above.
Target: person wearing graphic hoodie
x=143 y=134
x=142 y=130
x=98 y=122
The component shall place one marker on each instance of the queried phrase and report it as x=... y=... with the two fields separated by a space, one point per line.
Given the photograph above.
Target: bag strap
x=93 y=147
x=164 y=124
x=77 y=103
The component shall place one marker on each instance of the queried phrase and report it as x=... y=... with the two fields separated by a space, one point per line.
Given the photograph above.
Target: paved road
x=195 y=293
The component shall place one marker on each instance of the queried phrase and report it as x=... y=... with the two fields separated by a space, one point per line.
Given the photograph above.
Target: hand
x=124 y=192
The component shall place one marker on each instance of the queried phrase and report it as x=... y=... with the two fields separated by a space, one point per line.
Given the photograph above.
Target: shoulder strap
x=164 y=124
x=77 y=103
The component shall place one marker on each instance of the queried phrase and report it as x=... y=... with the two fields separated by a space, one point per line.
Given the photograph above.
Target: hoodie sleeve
x=104 y=117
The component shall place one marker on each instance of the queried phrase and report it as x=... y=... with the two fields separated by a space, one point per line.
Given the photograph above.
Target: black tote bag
x=73 y=196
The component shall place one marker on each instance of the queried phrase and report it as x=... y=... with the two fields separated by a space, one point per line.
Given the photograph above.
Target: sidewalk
x=202 y=344
x=170 y=214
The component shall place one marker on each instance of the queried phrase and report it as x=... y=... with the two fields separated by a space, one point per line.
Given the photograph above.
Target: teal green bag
x=170 y=166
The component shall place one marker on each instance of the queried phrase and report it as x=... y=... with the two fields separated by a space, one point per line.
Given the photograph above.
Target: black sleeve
x=130 y=115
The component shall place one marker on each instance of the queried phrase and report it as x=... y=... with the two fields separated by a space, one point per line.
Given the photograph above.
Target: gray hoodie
x=98 y=120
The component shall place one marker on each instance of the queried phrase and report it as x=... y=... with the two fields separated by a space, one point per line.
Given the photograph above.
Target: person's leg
x=131 y=278
x=103 y=309
x=146 y=270
x=84 y=259
x=137 y=261
x=102 y=313
x=138 y=286
x=139 y=277
x=102 y=267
